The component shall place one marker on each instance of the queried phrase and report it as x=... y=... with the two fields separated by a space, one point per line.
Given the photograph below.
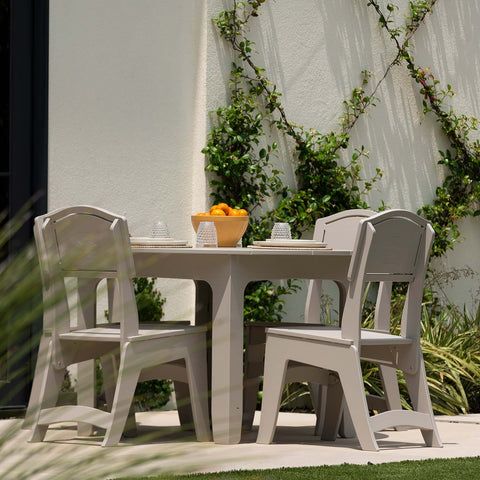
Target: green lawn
x=438 y=469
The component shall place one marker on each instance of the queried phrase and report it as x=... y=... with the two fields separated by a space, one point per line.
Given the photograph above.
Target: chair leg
x=351 y=379
x=51 y=380
x=109 y=365
x=86 y=394
x=196 y=363
x=333 y=407
x=418 y=390
x=276 y=366
x=110 y=373
x=250 y=395
x=130 y=429
x=255 y=338
x=184 y=405
x=318 y=395
x=128 y=376
x=389 y=379
x=332 y=414
x=346 y=429
x=34 y=401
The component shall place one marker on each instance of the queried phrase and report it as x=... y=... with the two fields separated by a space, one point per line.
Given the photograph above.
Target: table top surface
x=237 y=251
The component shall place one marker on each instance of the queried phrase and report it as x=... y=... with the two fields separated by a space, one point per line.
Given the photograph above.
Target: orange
x=202 y=213
x=233 y=212
x=212 y=208
x=217 y=212
x=224 y=207
x=243 y=213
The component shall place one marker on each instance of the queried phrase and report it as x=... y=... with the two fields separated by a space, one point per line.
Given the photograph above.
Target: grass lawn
x=438 y=469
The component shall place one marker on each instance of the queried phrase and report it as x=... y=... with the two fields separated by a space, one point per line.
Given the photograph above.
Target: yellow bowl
x=229 y=229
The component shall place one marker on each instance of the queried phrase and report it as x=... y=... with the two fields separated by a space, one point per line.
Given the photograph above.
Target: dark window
x=4 y=107
x=23 y=168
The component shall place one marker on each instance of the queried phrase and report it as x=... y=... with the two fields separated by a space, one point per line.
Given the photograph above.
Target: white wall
x=126 y=114
x=132 y=82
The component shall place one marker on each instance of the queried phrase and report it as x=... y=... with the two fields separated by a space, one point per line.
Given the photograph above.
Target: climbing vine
x=459 y=193
x=323 y=185
x=242 y=172
x=240 y=155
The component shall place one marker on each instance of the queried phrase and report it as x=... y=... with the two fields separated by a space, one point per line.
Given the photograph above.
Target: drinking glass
x=160 y=230
x=281 y=231
x=206 y=235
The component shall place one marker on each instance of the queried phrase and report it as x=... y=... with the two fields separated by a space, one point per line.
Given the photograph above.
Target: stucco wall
x=126 y=114
x=132 y=82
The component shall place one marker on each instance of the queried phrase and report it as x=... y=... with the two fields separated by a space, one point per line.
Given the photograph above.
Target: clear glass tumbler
x=281 y=231
x=160 y=230
x=206 y=235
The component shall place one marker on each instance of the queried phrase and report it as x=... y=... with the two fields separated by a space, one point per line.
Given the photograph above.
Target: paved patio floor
x=162 y=447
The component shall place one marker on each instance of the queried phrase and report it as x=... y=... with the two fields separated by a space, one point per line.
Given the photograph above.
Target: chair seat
x=372 y=337
x=111 y=333
x=319 y=334
x=334 y=334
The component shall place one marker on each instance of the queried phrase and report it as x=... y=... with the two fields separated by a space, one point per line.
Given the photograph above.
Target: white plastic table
x=228 y=271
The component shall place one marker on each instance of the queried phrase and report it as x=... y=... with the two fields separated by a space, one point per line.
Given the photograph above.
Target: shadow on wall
x=458 y=272
x=315 y=56
x=449 y=45
x=401 y=140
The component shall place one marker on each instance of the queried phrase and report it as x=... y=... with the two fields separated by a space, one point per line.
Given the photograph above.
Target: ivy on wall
x=458 y=196
x=246 y=177
x=239 y=154
x=323 y=185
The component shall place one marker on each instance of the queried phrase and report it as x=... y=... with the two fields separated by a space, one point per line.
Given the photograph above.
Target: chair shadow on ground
x=146 y=435
x=304 y=435
x=150 y=433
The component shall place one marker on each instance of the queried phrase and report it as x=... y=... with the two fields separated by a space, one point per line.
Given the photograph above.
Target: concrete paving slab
x=162 y=447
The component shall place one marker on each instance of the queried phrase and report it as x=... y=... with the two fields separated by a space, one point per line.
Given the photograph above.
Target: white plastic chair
x=392 y=246
x=88 y=244
x=338 y=231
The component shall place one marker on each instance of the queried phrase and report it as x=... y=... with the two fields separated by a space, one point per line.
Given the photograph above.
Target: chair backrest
x=338 y=231
x=87 y=244
x=392 y=246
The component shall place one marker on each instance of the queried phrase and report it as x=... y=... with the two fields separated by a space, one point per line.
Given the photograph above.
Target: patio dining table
x=227 y=271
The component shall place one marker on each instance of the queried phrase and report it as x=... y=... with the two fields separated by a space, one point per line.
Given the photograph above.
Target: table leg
x=227 y=359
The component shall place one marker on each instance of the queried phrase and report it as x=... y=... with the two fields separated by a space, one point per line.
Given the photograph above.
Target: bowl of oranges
x=230 y=223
